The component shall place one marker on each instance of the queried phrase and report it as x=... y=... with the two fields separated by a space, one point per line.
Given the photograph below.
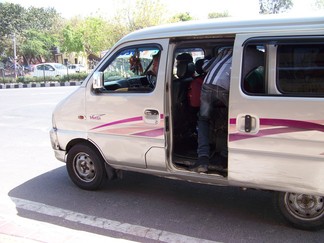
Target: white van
x=119 y=119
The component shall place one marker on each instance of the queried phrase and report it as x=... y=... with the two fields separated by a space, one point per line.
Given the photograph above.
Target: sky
x=199 y=9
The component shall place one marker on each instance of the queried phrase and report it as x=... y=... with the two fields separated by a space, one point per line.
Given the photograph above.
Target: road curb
x=37 y=85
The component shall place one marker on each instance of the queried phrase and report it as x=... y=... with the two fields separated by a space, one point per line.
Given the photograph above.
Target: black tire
x=302 y=211
x=86 y=167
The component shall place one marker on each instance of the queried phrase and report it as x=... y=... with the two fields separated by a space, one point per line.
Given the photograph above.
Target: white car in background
x=77 y=68
x=49 y=69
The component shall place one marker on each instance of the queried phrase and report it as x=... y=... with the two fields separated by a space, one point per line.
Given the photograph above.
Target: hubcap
x=305 y=207
x=84 y=167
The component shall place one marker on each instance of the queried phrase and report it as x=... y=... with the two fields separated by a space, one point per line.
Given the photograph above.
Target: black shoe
x=218 y=163
x=201 y=166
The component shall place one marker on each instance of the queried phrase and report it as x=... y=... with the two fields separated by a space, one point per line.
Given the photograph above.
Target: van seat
x=180 y=86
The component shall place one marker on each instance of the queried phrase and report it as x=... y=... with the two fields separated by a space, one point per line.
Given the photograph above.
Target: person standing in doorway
x=215 y=89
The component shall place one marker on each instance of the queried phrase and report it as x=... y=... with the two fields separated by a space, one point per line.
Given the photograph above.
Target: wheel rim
x=84 y=167
x=304 y=207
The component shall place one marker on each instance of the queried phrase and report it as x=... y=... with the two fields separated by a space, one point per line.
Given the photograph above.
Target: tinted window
x=253 y=70
x=300 y=69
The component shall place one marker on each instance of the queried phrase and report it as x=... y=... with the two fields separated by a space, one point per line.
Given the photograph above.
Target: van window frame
x=276 y=41
x=116 y=54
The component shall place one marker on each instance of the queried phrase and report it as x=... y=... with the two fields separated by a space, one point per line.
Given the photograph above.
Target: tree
x=181 y=17
x=72 y=34
x=37 y=45
x=90 y=35
x=35 y=29
x=10 y=23
x=274 y=6
x=319 y=4
x=43 y=19
x=143 y=14
x=41 y=34
x=215 y=15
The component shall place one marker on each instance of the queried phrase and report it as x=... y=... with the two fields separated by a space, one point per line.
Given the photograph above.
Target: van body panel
x=156 y=158
x=72 y=118
x=224 y=26
x=284 y=150
x=121 y=124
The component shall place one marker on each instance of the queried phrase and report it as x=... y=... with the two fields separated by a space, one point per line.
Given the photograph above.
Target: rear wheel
x=86 y=167
x=301 y=210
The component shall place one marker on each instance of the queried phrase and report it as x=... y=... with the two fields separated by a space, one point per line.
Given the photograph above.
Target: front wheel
x=85 y=167
x=300 y=210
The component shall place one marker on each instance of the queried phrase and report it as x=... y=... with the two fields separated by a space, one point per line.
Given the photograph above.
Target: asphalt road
x=35 y=187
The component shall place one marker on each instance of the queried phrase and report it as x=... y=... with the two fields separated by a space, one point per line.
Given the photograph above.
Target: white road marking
x=130 y=229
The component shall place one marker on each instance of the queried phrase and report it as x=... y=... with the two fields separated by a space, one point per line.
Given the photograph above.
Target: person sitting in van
x=151 y=74
x=184 y=64
x=215 y=90
x=195 y=85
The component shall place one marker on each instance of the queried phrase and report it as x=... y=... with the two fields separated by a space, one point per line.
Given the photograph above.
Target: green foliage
x=215 y=15
x=7 y=80
x=95 y=37
x=319 y=4
x=181 y=17
x=35 y=29
x=143 y=14
x=274 y=6
x=46 y=20
x=72 y=38
x=10 y=24
x=30 y=79
x=10 y=19
x=37 y=44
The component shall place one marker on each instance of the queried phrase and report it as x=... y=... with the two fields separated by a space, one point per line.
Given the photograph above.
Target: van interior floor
x=185 y=155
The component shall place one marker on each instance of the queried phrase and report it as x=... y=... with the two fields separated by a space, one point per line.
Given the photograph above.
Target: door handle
x=151 y=116
x=151 y=112
x=246 y=123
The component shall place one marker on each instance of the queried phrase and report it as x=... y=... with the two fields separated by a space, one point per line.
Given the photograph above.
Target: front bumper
x=59 y=153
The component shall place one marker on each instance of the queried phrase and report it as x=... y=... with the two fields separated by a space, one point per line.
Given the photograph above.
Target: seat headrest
x=199 y=64
x=184 y=57
x=185 y=70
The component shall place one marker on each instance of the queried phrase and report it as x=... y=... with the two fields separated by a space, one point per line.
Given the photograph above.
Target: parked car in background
x=49 y=69
x=78 y=68
x=29 y=68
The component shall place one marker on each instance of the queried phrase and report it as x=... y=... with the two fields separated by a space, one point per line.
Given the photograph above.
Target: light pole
x=15 y=54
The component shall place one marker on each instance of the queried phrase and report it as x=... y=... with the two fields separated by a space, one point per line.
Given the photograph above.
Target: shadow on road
x=202 y=211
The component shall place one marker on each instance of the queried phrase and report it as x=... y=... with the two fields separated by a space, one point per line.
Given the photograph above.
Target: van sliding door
x=276 y=138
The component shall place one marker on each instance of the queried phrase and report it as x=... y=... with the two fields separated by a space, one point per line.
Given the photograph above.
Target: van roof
x=227 y=25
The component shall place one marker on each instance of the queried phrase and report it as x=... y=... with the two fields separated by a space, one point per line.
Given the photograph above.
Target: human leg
x=203 y=131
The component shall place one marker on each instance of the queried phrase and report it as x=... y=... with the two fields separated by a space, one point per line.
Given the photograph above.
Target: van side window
x=300 y=69
x=253 y=70
x=132 y=70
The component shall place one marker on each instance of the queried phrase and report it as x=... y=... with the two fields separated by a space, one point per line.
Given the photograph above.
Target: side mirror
x=97 y=80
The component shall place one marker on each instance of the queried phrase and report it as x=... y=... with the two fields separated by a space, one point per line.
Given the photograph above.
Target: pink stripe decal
x=289 y=126
x=305 y=125
x=262 y=133
x=151 y=133
x=138 y=118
